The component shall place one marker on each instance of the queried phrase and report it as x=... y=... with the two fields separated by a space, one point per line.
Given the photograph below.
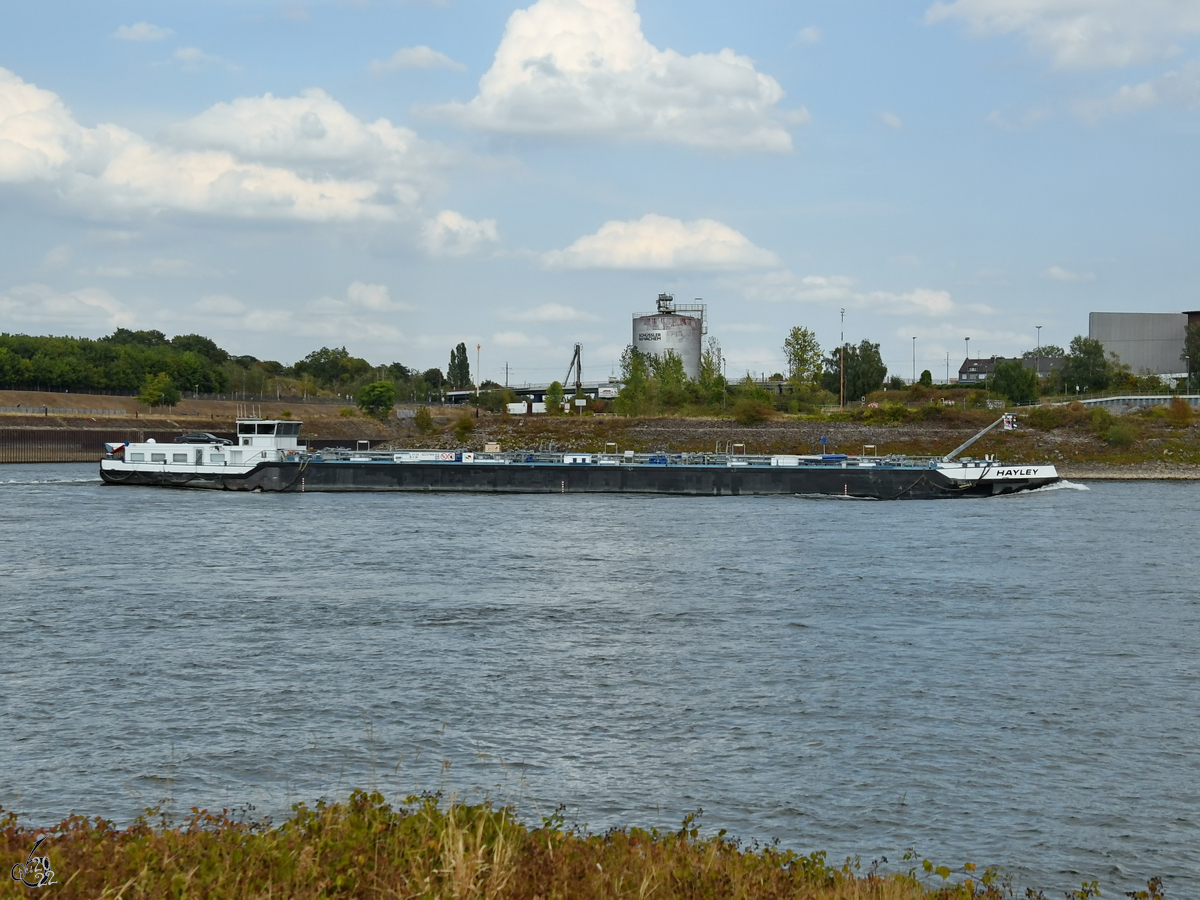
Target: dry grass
x=367 y=848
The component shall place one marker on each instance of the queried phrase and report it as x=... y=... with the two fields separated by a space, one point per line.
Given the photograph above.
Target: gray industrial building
x=1146 y=342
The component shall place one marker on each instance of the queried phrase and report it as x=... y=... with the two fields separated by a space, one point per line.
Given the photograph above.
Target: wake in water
x=84 y=479
x=1063 y=485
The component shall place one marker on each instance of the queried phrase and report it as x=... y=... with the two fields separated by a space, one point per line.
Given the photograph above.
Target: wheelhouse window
x=245 y=428
x=288 y=429
x=266 y=427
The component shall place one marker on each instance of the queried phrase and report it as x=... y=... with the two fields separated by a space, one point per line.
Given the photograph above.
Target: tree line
x=134 y=361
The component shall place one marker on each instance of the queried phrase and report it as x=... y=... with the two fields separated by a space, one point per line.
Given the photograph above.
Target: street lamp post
x=724 y=383
x=1038 y=370
x=1187 y=361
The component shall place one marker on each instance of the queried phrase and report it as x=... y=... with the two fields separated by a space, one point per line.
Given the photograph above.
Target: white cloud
x=219 y=305
x=1057 y=273
x=362 y=315
x=453 y=234
x=142 y=31
x=420 y=57
x=784 y=286
x=57 y=257
x=260 y=157
x=40 y=308
x=1179 y=88
x=192 y=58
x=1081 y=34
x=360 y=297
x=583 y=68
x=170 y=268
x=809 y=35
x=891 y=120
x=518 y=339
x=1018 y=121
x=314 y=133
x=550 y=312
x=660 y=242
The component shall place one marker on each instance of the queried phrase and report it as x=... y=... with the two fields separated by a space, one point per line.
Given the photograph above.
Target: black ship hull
x=880 y=482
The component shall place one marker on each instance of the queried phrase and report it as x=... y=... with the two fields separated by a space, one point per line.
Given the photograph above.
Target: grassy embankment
x=1158 y=442
x=367 y=848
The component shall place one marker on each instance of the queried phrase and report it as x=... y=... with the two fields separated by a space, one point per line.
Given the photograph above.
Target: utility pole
x=914 y=380
x=842 y=367
x=506 y=374
x=947 y=368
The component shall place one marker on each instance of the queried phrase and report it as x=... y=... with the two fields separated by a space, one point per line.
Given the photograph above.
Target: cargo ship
x=268 y=456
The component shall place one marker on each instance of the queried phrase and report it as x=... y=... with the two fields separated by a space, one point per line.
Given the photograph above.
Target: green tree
x=377 y=399
x=631 y=401
x=158 y=390
x=926 y=379
x=1085 y=367
x=865 y=371
x=458 y=373
x=554 y=398
x=1015 y=381
x=803 y=355
x=198 y=343
x=1047 y=351
x=1191 y=349
x=711 y=381
x=329 y=367
x=672 y=380
x=138 y=338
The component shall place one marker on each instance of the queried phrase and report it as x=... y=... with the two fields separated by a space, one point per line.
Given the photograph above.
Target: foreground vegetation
x=367 y=848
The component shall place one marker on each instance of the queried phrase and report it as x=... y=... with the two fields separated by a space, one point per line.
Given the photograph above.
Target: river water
x=1011 y=681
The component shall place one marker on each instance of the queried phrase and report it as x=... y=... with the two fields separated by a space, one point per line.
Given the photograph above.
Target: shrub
x=285 y=414
x=1043 y=418
x=1120 y=435
x=423 y=420
x=751 y=412
x=463 y=428
x=1179 y=413
x=1102 y=420
x=346 y=412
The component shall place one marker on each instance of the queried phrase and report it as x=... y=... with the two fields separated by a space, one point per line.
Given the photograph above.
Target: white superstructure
x=258 y=441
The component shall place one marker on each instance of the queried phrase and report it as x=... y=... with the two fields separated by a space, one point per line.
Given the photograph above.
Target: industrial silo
x=672 y=327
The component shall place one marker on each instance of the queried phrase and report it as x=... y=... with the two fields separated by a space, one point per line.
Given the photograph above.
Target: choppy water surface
x=1010 y=681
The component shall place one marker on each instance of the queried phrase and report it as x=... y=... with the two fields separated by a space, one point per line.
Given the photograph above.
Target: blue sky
x=397 y=177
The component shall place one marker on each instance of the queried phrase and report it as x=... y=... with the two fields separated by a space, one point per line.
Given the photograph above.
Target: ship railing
x=662 y=458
